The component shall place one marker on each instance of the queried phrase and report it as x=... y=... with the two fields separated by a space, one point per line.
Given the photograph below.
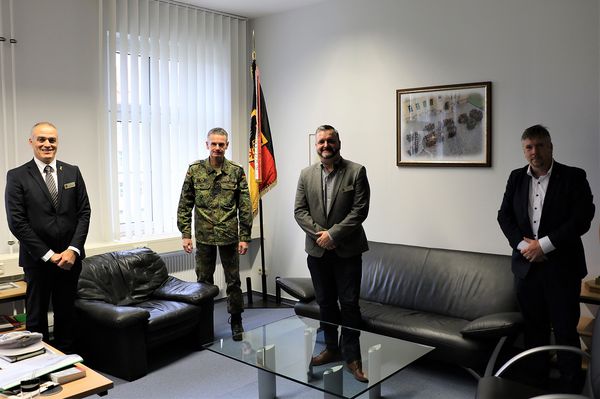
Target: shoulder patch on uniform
x=235 y=164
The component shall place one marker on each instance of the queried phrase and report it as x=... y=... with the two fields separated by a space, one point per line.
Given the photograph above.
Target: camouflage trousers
x=206 y=260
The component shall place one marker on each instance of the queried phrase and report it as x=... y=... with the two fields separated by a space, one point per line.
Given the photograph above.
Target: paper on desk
x=11 y=374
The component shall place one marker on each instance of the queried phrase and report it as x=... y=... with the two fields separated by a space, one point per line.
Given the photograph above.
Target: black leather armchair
x=128 y=305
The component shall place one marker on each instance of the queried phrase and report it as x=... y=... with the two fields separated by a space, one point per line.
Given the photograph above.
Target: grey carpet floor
x=203 y=374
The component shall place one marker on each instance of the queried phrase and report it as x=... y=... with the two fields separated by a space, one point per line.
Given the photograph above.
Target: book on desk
x=26 y=353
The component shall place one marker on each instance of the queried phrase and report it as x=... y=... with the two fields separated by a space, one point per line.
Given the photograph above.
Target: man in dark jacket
x=546 y=209
x=48 y=211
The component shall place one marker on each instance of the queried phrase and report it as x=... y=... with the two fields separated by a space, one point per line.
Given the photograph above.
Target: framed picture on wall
x=444 y=125
x=313 y=157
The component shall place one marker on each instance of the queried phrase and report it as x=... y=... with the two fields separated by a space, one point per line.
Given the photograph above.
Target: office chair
x=497 y=387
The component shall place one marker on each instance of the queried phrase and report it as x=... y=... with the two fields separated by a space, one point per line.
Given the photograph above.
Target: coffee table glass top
x=285 y=347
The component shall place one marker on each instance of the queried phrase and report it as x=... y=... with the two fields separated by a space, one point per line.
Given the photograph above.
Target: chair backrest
x=123 y=277
x=594 y=367
x=455 y=283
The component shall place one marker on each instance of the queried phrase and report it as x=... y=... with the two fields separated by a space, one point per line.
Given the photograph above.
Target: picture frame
x=449 y=125
x=313 y=157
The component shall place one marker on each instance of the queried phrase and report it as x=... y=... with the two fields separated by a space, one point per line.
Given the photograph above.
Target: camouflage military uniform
x=218 y=197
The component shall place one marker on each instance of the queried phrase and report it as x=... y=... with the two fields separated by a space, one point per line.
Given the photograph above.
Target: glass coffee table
x=284 y=348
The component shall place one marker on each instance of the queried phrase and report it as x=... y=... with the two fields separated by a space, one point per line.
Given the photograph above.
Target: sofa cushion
x=392 y=273
x=122 y=278
x=441 y=332
x=175 y=289
x=465 y=285
x=426 y=328
x=493 y=326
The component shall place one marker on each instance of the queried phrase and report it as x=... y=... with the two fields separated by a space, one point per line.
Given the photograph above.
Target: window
x=171 y=73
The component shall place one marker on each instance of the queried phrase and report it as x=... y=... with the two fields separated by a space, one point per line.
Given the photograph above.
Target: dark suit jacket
x=35 y=222
x=566 y=215
x=349 y=208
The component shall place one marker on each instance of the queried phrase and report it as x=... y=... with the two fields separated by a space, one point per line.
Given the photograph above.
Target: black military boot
x=236 y=326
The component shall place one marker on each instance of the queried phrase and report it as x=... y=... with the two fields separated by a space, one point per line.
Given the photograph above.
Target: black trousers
x=549 y=300
x=336 y=280
x=47 y=282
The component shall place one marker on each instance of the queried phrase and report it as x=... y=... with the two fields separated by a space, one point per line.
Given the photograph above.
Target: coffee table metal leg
x=309 y=343
x=266 y=385
x=333 y=382
x=265 y=357
x=374 y=371
x=375 y=392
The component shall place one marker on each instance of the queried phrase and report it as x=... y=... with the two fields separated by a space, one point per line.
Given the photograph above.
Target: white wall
x=57 y=79
x=340 y=62
x=57 y=75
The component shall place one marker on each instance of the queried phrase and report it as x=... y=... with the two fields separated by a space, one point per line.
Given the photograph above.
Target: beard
x=332 y=152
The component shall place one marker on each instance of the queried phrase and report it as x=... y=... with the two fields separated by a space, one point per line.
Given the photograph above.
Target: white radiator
x=183 y=266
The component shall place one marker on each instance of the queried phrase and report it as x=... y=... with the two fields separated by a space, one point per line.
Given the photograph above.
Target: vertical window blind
x=172 y=72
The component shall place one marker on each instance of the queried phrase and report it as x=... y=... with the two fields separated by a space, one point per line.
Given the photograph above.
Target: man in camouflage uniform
x=217 y=190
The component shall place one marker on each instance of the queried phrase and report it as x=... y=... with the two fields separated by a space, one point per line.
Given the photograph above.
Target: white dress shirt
x=41 y=166
x=537 y=192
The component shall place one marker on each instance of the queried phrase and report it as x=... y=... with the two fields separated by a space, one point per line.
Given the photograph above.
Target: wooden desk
x=585 y=328
x=588 y=296
x=14 y=294
x=93 y=383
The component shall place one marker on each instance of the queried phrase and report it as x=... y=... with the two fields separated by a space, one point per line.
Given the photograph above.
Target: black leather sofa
x=462 y=303
x=128 y=305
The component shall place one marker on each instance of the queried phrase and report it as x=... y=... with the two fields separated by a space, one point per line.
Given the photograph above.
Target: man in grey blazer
x=332 y=201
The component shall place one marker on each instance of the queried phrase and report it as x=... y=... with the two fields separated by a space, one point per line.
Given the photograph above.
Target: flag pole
x=262 y=252
x=263 y=273
x=263 y=177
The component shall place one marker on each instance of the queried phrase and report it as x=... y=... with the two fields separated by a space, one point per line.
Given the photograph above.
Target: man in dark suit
x=332 y=201
x=49 y=213
x=546 y=209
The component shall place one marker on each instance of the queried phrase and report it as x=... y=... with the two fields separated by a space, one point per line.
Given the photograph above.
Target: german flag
x=263 y=172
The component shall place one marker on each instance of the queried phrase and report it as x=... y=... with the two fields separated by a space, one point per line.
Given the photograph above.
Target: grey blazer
x=349 y=208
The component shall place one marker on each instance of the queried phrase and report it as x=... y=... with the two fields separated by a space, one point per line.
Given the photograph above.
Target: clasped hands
x=533 y=251
x=65 y=260
x=324 y=240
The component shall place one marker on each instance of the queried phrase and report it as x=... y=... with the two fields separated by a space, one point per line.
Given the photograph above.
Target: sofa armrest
x=300 y=288
x=174 y=289
x=493 y=326
x=111 y=315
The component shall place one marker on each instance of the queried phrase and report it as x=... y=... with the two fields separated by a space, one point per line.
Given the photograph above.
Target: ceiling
x=251 y=8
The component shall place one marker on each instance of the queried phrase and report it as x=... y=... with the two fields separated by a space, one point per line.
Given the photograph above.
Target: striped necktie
x=51 y=185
